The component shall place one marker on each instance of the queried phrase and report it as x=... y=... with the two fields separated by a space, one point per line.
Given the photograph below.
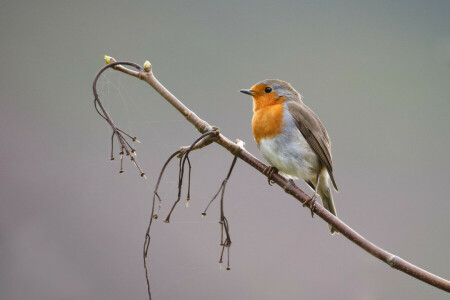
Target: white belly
x=290 y=153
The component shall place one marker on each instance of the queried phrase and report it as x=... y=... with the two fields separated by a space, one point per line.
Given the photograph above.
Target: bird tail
x=327 y=199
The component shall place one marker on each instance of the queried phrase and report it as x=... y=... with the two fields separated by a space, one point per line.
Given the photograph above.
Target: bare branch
x=154 y=215
x=183 y=159
x=125 y=146
x=202 y=126
x=224 y=226
x=183 y=154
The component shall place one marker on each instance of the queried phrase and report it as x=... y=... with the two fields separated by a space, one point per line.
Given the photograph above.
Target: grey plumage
x=303 y=149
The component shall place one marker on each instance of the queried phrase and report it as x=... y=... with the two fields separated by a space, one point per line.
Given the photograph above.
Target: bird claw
x=312 y=206
x=269 y=171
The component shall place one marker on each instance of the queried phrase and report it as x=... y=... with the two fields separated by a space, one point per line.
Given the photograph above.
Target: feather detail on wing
x=315 y=134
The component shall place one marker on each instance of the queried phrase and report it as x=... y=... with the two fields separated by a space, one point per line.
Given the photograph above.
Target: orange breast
x=267 y=122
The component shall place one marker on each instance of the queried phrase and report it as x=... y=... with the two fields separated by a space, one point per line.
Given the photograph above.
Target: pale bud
x=240 y=143
x=107 y=59
x=147 y=66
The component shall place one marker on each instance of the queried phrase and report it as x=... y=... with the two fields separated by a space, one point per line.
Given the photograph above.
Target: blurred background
x=72 y=227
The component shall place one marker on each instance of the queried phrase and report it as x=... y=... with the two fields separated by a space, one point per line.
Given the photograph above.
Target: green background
x=376 y=72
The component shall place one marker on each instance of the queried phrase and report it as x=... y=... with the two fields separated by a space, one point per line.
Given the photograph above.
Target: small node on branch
x=240 y=143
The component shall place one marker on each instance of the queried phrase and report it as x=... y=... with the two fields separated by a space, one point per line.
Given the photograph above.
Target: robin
x=292 y=139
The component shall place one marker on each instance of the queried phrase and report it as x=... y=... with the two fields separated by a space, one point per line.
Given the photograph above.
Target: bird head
x=271 y=92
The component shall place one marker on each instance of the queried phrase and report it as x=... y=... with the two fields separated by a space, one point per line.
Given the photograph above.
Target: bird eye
x=268 y=89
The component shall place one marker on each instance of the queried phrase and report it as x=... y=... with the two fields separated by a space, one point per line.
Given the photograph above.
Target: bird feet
x=269 y=171
x=312 y=206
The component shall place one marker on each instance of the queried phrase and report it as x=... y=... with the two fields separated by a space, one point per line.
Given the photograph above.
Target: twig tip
x=107 y=59
x=147 y=66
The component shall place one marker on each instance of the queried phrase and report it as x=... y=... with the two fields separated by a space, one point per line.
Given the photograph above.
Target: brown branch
x=185 y=157
x=224 y=225
x=392 y=260
x=125 y=146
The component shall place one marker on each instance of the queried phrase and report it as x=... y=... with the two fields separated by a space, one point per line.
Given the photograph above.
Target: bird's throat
x=267 y=122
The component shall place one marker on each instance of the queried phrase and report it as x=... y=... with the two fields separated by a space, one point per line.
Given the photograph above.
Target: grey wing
x=315 y=134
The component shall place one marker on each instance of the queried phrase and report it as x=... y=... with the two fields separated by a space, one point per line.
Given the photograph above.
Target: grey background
x=376 y=72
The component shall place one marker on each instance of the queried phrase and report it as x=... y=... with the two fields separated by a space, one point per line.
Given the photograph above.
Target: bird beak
x=248 y=92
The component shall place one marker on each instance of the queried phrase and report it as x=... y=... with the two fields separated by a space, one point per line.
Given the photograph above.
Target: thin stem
x=124 y=144
x=224 y=227
x=188 y=197
x=112 y=146
x=213 y=198
x=154 y=215
x=183 y=159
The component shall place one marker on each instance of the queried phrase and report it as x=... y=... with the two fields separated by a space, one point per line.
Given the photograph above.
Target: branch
x=202 y=126
x=125 y=146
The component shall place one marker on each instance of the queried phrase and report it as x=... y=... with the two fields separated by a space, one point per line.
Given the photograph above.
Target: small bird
x=292 y=139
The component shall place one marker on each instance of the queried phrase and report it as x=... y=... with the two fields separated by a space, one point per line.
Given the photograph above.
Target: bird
x=292 y=139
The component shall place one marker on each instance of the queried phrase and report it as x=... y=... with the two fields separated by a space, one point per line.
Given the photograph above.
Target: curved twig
x=125 y=146
x=183 y=159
